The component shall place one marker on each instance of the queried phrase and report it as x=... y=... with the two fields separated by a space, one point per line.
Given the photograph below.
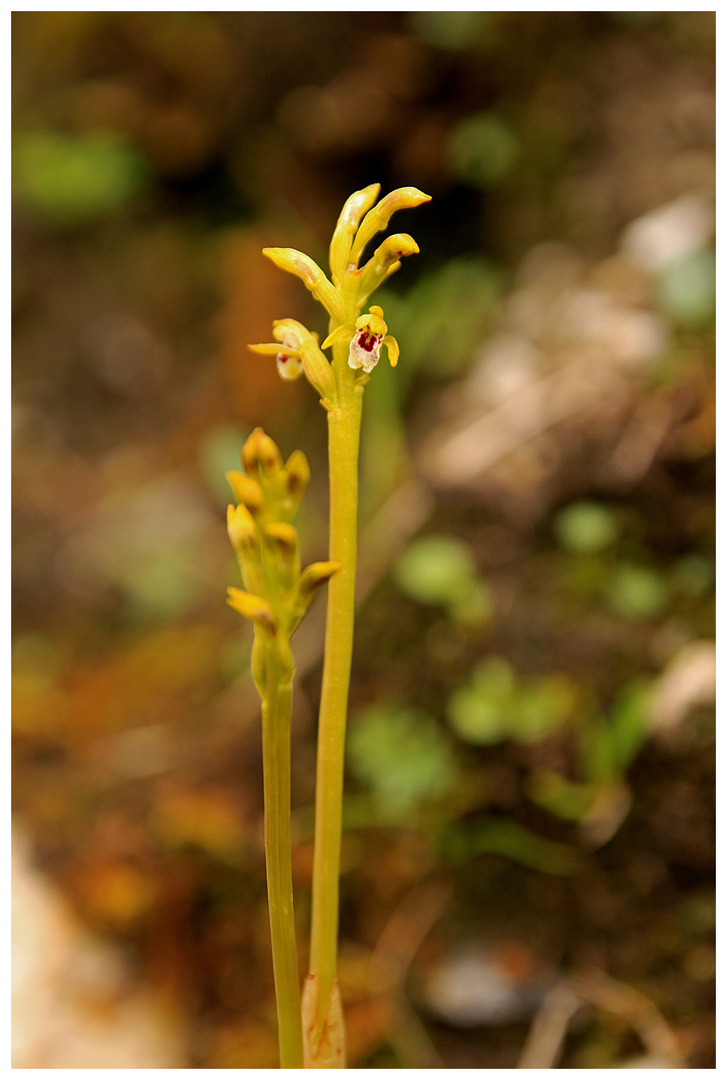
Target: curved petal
x=392 y=347
x=353 y=210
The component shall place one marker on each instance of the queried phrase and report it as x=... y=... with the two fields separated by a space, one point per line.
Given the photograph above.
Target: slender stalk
x=276 y=724
x=344 y=423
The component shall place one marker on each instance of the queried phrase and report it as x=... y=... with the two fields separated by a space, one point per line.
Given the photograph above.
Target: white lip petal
x=364 y=356
x=289 y=367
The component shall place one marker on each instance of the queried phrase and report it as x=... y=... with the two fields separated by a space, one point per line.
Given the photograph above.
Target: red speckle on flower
x=366 y=340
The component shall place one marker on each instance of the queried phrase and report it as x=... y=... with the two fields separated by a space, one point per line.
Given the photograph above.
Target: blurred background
x=528 y=857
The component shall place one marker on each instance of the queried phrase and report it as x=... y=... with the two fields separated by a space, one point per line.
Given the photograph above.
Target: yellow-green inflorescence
x=345 y=294
x=277 y=594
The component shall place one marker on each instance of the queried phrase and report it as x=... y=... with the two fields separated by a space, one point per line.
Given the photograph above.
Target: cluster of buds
x=346 y=292
x=276 y=594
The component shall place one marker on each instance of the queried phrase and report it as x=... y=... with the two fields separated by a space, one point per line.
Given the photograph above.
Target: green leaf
x=403 y=756
x=483 y=149
x=436 y=570
x=482 y=711
x=544 y=705
x=585 y=527
x=452 y=29
x=693 y=576
x=74 y=179
x=502 y=837
x=559 y=796
x=637 y=592
x=613 y=743
x=629 y=729
x=443 y=316
x=687 y=290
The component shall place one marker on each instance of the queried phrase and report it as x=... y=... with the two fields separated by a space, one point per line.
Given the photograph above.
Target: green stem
x=344 y=422
x=276 y=723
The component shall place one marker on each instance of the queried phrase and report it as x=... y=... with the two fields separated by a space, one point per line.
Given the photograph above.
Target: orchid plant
x=277 y=594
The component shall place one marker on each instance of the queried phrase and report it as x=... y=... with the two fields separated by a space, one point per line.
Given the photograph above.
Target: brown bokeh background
x=529 y=800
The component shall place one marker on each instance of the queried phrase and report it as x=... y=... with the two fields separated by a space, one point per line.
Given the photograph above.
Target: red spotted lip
x=366 y=340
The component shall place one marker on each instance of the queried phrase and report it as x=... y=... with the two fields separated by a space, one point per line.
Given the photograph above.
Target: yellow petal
x=284 y=536
x=297 y=474
x=295 y=262
x=314 y=576
x=290 y=332
x=272 y=349
x=247 y=491
x=252 y=607
x=392 y=347
x=341 y=333
x=353 y=210
x=373 y=322
x=241 y=529
x=260 y=452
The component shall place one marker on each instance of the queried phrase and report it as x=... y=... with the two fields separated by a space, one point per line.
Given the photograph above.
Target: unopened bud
x=297 y=474
x=252 y=607
x=283 y=536
x=313 y=577
x=260 y=452
x=241 y=529
x=247 y=491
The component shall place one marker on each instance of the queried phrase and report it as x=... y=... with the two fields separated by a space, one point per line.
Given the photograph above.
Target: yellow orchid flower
x=366 y=338
x=345 y=293
x=296 y=352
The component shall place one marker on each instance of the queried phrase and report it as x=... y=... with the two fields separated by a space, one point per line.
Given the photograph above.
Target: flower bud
x=252 y=607
x=241 y=529
x=260 y=452
x=283 y=536
x=247 y=491
x=313 y=577
x=297 y=475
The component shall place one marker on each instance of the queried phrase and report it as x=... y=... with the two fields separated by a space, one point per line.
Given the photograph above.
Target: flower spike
x=277 y=595
x=357 y=338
